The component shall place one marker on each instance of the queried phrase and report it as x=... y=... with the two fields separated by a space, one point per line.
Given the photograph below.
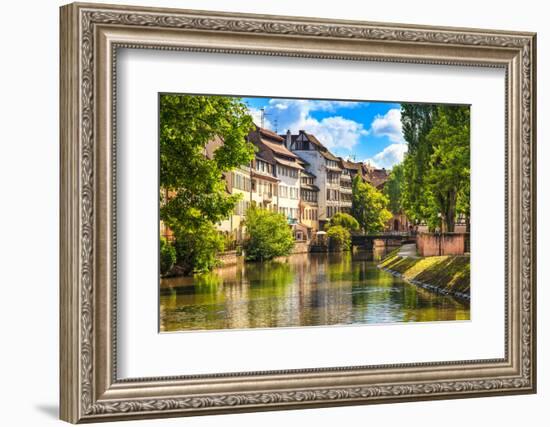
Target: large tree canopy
x=187 y=124
x=201 y=138
x=436 y=170
x=369 y=206
x=449 y=167
x=417 y=120
x=393 y=189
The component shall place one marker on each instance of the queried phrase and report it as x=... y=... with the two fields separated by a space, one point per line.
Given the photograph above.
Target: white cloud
x=336 y=131
x=295 y=114
x=388 y=125
x=389 y=156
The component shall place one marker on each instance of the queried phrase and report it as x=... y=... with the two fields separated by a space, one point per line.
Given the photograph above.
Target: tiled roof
x=312 y=138
x=322 y=149
x=378 y=177
x=350 y=165
x=289 y=163
x=328 y=155
x=212 y=145
x=279 y=149
x=270 y=140
x=263 y=175
x=270 y=134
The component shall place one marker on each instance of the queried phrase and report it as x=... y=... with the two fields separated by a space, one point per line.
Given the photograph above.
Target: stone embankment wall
x=228 y=258
x=430 y=244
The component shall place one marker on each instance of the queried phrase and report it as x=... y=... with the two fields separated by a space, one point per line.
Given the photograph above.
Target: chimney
x=288 y=139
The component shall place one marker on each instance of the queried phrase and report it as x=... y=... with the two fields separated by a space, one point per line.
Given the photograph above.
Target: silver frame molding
x=90 y=37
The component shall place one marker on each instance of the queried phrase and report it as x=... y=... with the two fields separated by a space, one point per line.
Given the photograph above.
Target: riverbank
x=448 y=274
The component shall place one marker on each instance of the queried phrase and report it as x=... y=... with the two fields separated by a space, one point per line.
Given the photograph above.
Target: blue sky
x=364 y=131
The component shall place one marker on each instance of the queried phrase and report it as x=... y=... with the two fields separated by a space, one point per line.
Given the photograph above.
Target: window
x=241 y=182
x=307 y=180
x=241 y=208
x=332 y=164
x=333 y=195
x=333 y=178
x=302 y=145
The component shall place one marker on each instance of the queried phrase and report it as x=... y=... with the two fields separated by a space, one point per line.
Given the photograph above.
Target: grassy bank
x=447 y=274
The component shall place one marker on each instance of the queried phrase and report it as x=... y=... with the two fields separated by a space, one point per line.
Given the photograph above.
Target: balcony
x=346 y=190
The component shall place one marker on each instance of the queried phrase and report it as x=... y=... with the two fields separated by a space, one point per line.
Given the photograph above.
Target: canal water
x=312 y=289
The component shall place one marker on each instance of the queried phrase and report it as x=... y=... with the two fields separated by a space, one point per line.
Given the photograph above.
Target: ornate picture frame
x=90 y=37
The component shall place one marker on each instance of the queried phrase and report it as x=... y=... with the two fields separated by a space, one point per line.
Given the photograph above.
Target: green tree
x=268 y=235
x=436 y=169
x=339 y=238
x=197 y=247
x=417 y=121
x=369 y=206
x=345 y=220
x=393 y=189
x=449 y=173
x=167 y=256
x=192 y=168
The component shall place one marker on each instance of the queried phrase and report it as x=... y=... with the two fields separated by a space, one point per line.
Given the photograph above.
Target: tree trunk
x=450 y=215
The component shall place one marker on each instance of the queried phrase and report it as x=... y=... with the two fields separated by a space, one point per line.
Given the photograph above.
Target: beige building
x=238 y=182
x=309 y=203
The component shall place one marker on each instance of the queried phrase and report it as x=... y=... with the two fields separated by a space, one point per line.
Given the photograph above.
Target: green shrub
x=268 y=235
x=345 y=220
x=339 y=238
x=197 y=250
x=167 y=256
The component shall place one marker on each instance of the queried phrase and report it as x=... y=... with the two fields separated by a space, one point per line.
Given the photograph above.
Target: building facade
x=332 y=176
x=309 y=203
x=297 y=176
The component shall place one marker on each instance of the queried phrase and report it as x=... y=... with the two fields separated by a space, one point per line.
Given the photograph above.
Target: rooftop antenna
x=263 y=115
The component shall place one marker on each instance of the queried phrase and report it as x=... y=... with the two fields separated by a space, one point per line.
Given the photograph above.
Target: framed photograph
x=267 y=212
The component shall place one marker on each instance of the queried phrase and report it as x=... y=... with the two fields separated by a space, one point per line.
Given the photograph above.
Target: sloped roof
x=378 y=177
x=328 y=155
x=270 y=134
x=289 y=163
x=313 y=139
x=356 y=166
x=279 y=149
x=263 y=175
x=308 y=173
x=322 y=149
x=270 y=140
x=211 y=146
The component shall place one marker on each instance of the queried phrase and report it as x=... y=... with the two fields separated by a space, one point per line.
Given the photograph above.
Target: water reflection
x=301 y=290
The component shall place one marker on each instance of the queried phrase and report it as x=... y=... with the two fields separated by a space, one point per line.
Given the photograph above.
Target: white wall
x=29 y=170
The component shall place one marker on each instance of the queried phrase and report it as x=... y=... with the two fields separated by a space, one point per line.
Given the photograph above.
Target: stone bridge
x=389 y=238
